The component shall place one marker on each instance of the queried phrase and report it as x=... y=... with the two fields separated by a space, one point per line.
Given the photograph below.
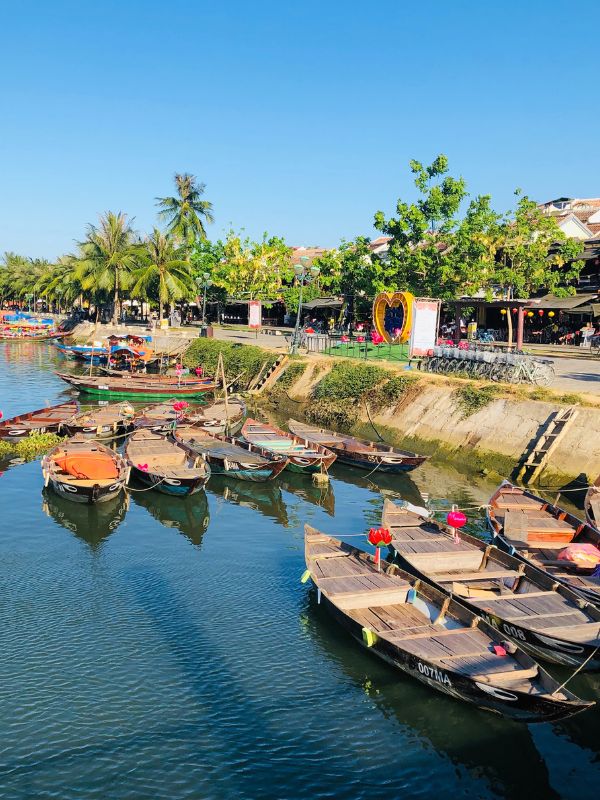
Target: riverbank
x=483 y=426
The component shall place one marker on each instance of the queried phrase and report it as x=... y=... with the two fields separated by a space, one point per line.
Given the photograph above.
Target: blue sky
x=300 y=117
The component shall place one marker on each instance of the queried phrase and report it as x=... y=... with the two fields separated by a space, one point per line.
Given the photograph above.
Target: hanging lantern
x=503 y=312
x=456 y=519
x=514 y=310
x=551 y=313
x=530 y=313
x=541 y=312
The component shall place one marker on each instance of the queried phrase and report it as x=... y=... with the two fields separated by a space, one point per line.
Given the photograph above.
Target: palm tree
x=109 y=255
x=184 y=213
x=164 y=268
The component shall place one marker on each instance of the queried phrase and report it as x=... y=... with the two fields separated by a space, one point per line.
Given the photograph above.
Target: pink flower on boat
x=143 y=467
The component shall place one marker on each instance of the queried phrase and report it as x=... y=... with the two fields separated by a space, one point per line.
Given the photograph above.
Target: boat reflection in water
x=400 y=486
x=302 y=486
x=263 y=497
x=189 y=515
x=92 y=523
x=480 y=743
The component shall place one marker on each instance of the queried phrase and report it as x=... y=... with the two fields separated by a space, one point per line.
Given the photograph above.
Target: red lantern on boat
x=456 y=519
x=379 y=537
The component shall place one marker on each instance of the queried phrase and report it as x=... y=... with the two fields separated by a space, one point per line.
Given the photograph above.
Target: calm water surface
x=168 y=650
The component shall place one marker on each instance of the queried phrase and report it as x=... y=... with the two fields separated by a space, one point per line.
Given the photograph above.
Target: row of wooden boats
x=468 y=617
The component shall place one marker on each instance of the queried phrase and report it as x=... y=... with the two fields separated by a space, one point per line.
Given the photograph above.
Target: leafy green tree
x=356 y=273
x=534 y=254
x=421 y=231
x=59 y=283
x=164 y=273
x=108 y=257
x=186 y=212
x=253 y=270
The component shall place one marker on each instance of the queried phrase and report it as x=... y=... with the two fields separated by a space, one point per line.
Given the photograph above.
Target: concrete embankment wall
x=429 y=419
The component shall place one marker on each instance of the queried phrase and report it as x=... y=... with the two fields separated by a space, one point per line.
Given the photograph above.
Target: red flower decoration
x=143 y=467
x=379 y=537
x=180 y=405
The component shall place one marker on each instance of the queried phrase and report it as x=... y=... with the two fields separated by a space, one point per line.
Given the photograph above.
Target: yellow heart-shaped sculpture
x=392 y=315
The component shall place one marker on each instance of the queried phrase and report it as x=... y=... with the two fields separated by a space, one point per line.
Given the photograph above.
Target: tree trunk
x=115 y=318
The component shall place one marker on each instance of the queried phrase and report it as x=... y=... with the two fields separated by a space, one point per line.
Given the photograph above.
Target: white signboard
x=423 y=335
x=255 y=314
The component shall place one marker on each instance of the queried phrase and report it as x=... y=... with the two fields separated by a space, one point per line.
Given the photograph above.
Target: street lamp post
x=204 y=283
x=304 y=275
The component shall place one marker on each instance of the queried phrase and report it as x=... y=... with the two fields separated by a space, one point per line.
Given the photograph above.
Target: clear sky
x=299 y=116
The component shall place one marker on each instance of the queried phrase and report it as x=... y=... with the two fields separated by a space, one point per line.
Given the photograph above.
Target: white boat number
x=509 y=630
x=433 y=672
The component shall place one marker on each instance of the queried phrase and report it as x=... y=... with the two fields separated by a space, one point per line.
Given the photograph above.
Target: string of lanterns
x=530 y=314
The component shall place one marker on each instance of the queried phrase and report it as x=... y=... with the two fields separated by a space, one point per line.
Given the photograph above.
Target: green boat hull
x=168 y=393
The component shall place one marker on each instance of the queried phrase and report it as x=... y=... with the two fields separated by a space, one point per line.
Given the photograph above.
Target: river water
x=169 y=650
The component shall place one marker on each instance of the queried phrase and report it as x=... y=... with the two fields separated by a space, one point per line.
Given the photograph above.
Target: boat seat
x=445 y=577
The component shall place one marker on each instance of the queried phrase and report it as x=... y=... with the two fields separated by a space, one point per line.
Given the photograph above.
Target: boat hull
x=378 y=463
x=170 y=486
x=507 y=702
x=87 y=494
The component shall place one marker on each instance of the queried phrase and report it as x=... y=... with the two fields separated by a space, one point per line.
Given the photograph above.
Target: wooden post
x=221 y=367
x=520 y=322
x=457 y=323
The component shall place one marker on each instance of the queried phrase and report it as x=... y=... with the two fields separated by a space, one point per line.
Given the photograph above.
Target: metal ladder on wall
x=545 y=444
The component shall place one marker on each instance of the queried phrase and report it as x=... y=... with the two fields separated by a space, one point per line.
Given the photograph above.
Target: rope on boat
x=381 y=439
x=579 y=668
x=148 y=488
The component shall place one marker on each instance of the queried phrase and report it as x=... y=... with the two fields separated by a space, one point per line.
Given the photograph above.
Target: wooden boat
x=102 y=422
x=214 y=417
x=301 y=456
x=165 y=465
x=542 y=615
x=361 y=453
x=430 y=636
x=171 y=380
x=537 y=531
x=126 y=386
x=592 y=504
x=44 y=420
x=227 y=455
x=84 y=472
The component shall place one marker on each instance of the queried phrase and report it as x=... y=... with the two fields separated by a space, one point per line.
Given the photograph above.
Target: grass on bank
x=242 y=360
x=33 y=446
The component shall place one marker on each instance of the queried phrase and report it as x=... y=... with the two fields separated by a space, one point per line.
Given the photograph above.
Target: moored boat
x=164 y=464
x=429 y=636
x=44 y=420
x=84 y=472
x=543 y=535
x=227 y=455
x=126 y=386
x=214 y=417
x=101 y=422
x=542 y=615
x=592 y=504
x=361 y=453
x=301 y=456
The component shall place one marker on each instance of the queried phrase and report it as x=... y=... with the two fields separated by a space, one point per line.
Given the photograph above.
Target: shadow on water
x=266 y=498
x=499 y=750
x=92 y=524
x=303 y=487
x=189 y=515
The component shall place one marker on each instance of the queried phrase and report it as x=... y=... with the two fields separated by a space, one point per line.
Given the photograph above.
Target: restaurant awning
x=573 y=303
x=323 y=302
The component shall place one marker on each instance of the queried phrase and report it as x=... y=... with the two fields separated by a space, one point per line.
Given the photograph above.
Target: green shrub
x=292 y=372
x=390 y=392
x=471 y=399
x=571 y=399
x=30 y=447
x=237 y=358
x=332 y=413
x=347 y=380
